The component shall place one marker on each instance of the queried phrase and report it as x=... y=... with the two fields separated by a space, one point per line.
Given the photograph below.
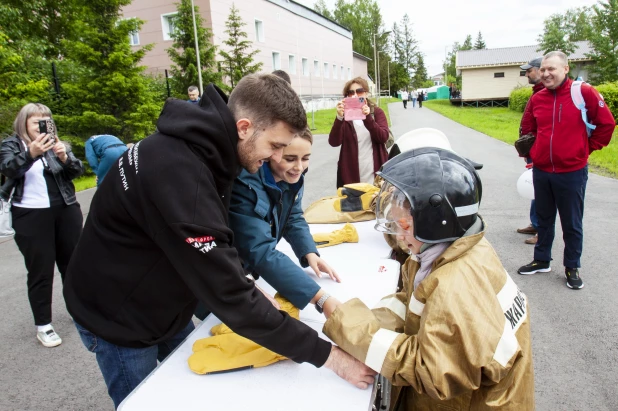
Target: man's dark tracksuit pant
x=563 y=193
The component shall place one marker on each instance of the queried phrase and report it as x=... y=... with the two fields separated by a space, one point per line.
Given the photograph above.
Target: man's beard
x=246 y=154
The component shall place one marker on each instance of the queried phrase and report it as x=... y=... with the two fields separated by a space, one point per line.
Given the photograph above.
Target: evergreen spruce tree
x=480 y=43
x=238 y=62
x=182 y=53
x=111 y=95
x=405 y=44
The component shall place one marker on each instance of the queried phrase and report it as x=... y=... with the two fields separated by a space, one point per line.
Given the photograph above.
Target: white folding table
x=365 y=273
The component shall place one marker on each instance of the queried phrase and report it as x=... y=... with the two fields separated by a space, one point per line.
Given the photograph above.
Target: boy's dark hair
x=282 y=74
x=266 y=99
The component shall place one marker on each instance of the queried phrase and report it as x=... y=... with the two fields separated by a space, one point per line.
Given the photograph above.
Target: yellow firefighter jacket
x=460 y=341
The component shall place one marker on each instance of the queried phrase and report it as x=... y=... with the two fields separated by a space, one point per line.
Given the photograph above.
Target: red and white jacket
x=562 y=144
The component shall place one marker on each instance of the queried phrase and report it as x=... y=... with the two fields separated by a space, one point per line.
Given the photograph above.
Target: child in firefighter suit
x=457 y=337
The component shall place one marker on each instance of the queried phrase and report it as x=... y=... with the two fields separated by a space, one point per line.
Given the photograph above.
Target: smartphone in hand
x=354 y=108
x=48 y=127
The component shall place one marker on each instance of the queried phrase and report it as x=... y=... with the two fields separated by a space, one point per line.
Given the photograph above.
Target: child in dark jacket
x=266 y=207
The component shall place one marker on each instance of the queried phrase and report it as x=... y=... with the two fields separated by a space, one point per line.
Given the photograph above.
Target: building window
x=276 y=60
x=134 y=38
x=349 y=73
x=292 y=64
x=498 y=75
x=168 y=25
x=305 y=64
x=326 y=73
x=334 y=71
x=522 y=73
x=259 y=30
x=342 y=74
x=316 y=68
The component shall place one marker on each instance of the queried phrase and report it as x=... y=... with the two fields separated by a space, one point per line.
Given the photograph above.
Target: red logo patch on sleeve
x=204 y=244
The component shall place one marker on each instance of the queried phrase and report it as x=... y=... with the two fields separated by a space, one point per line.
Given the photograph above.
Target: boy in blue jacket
x=101 y=152
x=266 y=207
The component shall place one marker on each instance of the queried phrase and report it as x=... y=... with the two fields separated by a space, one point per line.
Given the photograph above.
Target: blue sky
x=438 y=24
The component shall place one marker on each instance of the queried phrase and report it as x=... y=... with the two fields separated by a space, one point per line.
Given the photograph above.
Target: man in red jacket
x=533 y=72
x=560 y=156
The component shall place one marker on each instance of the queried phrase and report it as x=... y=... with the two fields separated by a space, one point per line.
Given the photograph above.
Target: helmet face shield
x=393 y=211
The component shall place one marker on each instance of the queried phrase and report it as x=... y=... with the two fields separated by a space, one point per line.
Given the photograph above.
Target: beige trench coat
x=460 y=341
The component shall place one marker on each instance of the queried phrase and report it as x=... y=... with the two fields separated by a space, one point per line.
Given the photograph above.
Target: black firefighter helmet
x=441 y=190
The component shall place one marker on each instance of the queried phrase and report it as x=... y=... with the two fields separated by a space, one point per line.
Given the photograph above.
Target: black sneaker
x=574 y=281
x=534 y=267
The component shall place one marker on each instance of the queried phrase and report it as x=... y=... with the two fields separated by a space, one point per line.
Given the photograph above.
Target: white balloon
x=525 y=187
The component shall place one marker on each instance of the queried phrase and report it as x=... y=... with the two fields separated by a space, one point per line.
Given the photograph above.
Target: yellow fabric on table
x=228 y=351
x=346 y=234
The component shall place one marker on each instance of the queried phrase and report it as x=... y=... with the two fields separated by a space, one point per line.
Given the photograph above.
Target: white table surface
x=365 y=273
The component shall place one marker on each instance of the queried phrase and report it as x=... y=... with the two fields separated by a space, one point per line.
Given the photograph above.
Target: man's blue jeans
x=563 y=193
x=125 y=368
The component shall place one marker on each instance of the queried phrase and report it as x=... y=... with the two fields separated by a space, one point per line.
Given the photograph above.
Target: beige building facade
x=491 y=74
x=316 y=52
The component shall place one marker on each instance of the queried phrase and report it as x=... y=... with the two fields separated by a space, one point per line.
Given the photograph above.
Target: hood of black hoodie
x=208 y=128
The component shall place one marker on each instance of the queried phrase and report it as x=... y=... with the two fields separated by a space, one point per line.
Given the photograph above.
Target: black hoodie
x=157 y=237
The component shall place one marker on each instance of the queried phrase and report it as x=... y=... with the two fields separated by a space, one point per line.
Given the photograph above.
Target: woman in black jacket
x=46 y=216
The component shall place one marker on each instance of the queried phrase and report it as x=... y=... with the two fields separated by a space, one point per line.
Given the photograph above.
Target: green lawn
x=84 y=183
x=503 y=124
x=324 y=118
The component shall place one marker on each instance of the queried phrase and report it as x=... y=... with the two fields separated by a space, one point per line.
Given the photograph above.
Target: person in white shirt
x=404 y=97
x=47 y=218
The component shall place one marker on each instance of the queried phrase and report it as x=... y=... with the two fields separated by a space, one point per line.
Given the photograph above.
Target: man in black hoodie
x=156 y=239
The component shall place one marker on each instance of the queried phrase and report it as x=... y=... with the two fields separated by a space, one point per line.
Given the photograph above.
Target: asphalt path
x=575 y=334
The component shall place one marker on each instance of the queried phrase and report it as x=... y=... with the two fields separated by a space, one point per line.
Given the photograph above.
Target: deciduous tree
x=604 y=41
x=561 y=31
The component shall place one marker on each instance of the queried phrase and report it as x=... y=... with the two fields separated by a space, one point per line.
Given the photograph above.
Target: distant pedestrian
x=560 y=157
x=414 y=96
x=47 y=218
x=194 y=95
x=534 y=77
x=404 y=98
x=101 y=152
x=421 y=98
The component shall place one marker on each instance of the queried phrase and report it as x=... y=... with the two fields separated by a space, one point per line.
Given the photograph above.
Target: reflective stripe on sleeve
x=380 y=344
x=394 y=305
x=514 y=305
x=416 y=306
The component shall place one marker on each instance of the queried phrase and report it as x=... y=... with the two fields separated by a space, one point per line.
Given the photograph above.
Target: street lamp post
x=375 y=63
x=388 y=67
x=197 y=50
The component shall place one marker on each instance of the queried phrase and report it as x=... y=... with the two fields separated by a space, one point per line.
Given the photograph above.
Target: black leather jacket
x=15 y=161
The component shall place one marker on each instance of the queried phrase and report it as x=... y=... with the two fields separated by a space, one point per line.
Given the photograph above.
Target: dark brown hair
x=266 y=99
x=306 y=135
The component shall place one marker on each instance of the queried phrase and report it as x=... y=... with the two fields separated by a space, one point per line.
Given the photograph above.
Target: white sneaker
x=49 y=338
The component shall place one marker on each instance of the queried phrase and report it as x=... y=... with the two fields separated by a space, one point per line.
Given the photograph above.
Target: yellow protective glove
x=355 y=197
x=227 y=351
x=347 y=234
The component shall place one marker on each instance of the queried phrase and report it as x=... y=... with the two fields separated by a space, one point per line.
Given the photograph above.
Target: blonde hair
x=20 y=125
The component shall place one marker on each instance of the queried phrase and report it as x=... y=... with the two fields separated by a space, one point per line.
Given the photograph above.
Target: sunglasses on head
x=357 y=91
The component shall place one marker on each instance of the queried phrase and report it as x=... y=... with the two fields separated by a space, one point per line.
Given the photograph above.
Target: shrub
x=609 y=91
x=519 y=98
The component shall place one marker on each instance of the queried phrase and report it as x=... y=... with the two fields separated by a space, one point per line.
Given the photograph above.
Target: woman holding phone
x=362 y=142
x=46 y=216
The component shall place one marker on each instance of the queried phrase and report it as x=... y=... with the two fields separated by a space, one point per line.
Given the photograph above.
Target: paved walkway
x=575 y=333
